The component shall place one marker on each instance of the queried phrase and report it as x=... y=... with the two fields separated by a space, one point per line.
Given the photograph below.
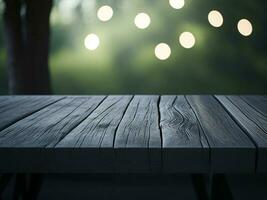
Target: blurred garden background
x=222 y=61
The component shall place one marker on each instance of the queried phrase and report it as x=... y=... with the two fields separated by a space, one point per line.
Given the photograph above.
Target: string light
x=142 y=20
x=176 y=4
x=105 y=13
x=162 y=51
x=244 y=27
x=91 y=41
x=215 y=18
x=187 y=40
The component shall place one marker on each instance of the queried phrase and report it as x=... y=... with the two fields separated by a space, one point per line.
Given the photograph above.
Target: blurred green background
x=221 y=62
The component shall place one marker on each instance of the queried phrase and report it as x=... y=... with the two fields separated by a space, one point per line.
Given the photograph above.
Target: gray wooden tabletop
x=106 y=134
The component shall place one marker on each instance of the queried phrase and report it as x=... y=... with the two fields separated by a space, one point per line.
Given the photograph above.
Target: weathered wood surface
x=151 y=133
x=183 y=141
x=230 y=148
x=14 y=108
x=50 y=125
x=93 y=139
x=138 y=140
x=250 y=112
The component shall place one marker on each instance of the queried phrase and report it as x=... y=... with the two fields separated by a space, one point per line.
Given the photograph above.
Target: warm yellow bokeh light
x=91 y=41
x=162 y=51
x=215 y=18
x=142 y=20
x=187 y=40
x=176 y=4
x=244 y=27
x=105 y=13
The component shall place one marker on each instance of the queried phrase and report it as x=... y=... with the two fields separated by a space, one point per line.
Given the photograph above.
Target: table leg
x=4 y=180
x=35 y=183
x=214 y=187
x=20 y=187
x=27 y=186
x=220 y=189
x=200 y=187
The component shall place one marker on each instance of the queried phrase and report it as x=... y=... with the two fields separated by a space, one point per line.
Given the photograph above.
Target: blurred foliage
x=222 y=61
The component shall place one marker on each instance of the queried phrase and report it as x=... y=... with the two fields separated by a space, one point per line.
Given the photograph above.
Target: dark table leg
x=35 y=183
x=27 y=187
x=214 y=187
x=4 y=180
x=20 y=187
x=220 y=189
x=200 y=186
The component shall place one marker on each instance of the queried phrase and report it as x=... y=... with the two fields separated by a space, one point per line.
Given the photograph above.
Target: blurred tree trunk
x=27 y=39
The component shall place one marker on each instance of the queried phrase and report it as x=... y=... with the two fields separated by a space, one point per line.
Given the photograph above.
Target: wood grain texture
x=44 y=129
x=138 y=138
x=90 y=145
x=98 y=129
x=259 y=102
x=230 y=148
x=14 y=108
x=48 y=126
x=140 y=134
x=251 y=113
x=185 y=148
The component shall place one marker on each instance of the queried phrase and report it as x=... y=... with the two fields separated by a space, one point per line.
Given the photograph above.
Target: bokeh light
x=91 y=41
x=142 y=20
x=105 y=13
x=215 y=18
x=176 y=4
x=162 y=51
x=244 y=27
x=187 y=40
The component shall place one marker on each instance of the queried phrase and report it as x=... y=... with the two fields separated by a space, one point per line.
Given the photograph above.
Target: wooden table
x=133 y=134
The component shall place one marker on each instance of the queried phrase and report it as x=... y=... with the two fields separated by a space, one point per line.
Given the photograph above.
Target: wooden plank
x=251 y=113
x=8 y=102
x=185 y=148
x=14 y=108
x=138 y=138
x=48 y=126
x=89 y=147
x=230 y=148
x=28 y=138
x=258 y=102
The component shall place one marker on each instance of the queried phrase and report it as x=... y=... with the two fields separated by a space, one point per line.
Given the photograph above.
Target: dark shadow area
x=142 y=187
